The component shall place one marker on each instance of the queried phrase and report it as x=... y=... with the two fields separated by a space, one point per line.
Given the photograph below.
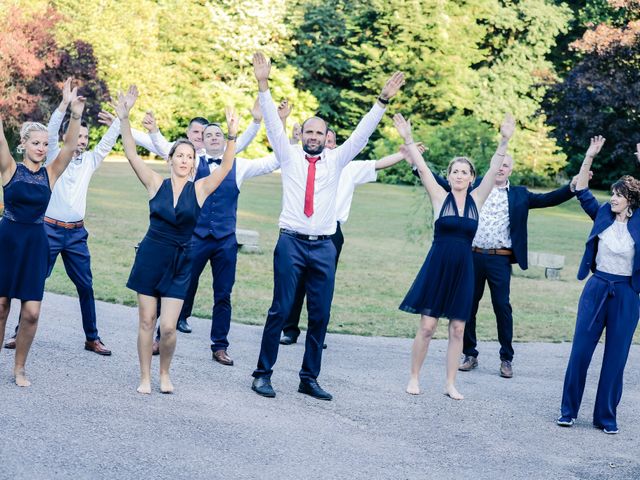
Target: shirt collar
x=506 y=187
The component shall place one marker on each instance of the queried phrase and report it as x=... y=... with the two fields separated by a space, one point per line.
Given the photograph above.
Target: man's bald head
x=314 y=135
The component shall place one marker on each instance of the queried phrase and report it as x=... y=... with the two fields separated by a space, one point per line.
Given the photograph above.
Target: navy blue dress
x=444 y=285
x=163 y=261
x=24 y=248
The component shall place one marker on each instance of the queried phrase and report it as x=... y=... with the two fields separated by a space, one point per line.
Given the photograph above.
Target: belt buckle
x=313 y=237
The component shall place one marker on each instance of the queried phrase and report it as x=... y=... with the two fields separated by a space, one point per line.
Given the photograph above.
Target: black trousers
x=294 y=261
x=291 y=328
x=496 y=271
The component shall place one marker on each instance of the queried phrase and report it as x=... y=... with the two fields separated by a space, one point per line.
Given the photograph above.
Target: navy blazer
x=521 y=200
x=603 y=218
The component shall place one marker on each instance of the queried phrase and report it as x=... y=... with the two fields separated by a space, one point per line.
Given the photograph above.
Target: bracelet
x=76 y=116
x=231 y=137
x=410 y=143
x=383 y=101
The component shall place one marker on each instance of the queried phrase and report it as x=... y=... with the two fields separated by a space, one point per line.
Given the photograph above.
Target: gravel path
x=82 y=418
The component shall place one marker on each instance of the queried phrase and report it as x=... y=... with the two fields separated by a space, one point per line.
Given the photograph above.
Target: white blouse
x=616 y=250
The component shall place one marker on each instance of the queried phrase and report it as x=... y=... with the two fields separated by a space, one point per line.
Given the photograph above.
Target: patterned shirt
x=493 y=227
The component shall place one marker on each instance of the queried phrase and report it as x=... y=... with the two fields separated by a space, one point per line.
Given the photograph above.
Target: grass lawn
x=386 y=240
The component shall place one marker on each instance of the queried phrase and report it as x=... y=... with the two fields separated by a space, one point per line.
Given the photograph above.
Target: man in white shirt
x=304 y=251
x=214 y=238
x=354 y=174
x=156 y=143
x=64 y=218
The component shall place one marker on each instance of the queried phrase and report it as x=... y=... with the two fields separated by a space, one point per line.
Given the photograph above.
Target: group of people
x=480 y=230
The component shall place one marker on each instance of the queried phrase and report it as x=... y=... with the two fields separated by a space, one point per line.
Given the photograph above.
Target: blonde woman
x=24 y=248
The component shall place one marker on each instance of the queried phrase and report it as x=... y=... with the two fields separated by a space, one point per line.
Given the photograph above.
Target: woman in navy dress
x=24 y=248
x=610 y=297
x=444 y=285
x=162 y=268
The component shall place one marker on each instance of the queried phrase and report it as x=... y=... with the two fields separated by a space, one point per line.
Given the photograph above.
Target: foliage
x=600 y=95
x=33 y=67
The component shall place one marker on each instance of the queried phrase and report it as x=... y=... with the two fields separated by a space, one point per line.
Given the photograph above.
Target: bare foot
x=413 y=388
x=21 y=378
x=165 y=383
x=451 y=392
x=145 y=387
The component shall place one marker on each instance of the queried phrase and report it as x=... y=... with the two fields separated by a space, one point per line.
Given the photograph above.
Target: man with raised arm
x=354 y=174
x=195 y=133
x=64 y=218
x=304 y=251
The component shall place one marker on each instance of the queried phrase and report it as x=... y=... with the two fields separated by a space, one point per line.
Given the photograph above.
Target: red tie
x=311 y=180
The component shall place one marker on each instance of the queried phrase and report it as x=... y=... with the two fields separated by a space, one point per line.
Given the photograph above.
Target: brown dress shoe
x=10 y=344
x=221 y=356
x=155 y=349
x=96 y=346
x=468 y=364
x=506 y=370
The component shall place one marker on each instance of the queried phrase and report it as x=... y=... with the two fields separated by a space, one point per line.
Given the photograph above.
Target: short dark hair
x=214 y=124
x=332 y=131
x=201 y=120
x=65 y=125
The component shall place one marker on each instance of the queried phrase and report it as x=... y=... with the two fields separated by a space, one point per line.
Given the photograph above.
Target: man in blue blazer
x=500 y=241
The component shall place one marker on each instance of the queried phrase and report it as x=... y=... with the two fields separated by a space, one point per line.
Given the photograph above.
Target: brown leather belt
x=492 y=251
x=67 y=225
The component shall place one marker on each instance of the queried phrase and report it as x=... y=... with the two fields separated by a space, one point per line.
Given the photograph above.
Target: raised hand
x=105 y=118
x=284 y=109
x=232 y=121
x=149 y=122
x=508 y=126
x=392 y=86
x=77 y=104
x=261 y=66
x=255 y=111
x=404 y=127
x=131 y=96
x=66 y=91
x=595 y=146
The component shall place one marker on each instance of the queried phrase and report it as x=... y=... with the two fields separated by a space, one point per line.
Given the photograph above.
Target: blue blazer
x=521 y=200
x=603 y=218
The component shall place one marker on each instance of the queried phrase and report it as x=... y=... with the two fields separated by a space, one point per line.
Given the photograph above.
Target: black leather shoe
x=262 y=386
x=288 y=340
x=183 y=326
x=311 y=388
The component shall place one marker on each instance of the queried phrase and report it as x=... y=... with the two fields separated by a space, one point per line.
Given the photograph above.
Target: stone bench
x=248 y=241
x=551 y=263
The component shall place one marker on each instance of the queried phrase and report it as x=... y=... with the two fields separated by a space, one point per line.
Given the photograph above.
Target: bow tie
x=217 y=161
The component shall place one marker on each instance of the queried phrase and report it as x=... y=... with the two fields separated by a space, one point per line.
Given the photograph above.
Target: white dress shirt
x=246 y=168
x=69 y=197
x=493 y=226
x=354 y=174
x=158 y=144
x=294 y=168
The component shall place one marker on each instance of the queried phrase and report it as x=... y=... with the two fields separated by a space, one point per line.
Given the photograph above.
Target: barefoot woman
x=444 y=285
x=162 y=268
x=24 y=248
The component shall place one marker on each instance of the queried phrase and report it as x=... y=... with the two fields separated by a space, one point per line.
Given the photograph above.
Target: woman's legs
x=170 y=308
x=419 y=350
x=454 y=349
x=147 y=321
x=5 y=307
x=29 y=313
